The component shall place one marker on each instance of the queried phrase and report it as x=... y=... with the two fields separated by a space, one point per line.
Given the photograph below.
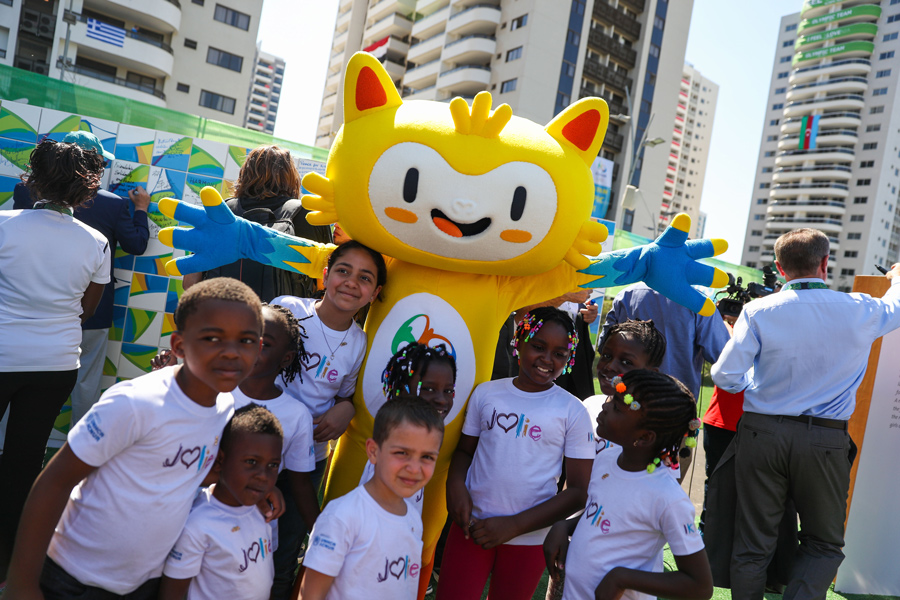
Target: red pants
x=515 y=571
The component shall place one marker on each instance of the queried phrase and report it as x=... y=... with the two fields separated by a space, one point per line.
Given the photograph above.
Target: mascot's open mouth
x=454 y=229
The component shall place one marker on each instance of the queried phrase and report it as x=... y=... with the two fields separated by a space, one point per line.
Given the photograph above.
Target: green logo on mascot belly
x=428 y=336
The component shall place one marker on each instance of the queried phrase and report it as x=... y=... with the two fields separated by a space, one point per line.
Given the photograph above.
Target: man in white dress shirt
x=799 y=356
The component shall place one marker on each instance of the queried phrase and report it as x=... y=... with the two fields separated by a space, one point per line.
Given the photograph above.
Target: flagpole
x=65 y=57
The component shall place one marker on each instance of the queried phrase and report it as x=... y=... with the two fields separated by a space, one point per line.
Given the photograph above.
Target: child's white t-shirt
x=324 y=377
x=152 y=446
x=522 y=439
x=298 y=452
x=371 y=553
x=416 y=500
x=594 y=405
x=227 y=550
x=628 y=518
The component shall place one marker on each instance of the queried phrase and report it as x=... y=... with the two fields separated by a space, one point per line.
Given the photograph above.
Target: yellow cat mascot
x=477 y=212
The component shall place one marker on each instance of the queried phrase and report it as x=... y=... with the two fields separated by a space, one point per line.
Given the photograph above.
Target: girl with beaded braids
x=633 y=508
x=502 y=484
x=423 y=371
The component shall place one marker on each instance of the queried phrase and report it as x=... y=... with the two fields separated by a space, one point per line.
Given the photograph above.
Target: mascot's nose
x=462 y=208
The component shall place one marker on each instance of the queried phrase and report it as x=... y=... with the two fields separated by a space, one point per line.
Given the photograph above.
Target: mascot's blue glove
x=668 y=265
x=219 y=238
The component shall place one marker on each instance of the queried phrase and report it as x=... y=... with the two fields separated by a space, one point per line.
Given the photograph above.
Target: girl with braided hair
x=502 y=484
x=633 y=507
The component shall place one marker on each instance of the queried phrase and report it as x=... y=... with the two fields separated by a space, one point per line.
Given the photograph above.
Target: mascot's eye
x=518 y=203
x=411 y=185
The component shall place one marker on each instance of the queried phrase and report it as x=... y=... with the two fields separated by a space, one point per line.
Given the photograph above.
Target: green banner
x=869 y=10
x=817 y=4
x=866 y=47
x=822 y=36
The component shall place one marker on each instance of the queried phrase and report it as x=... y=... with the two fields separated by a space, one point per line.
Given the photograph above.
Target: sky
x=728 y=43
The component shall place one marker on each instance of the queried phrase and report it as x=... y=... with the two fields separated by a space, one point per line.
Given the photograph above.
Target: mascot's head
x=459 y=188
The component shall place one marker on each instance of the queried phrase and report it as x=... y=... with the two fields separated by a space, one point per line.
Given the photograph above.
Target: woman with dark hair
x=266 y=192
x=53 y=269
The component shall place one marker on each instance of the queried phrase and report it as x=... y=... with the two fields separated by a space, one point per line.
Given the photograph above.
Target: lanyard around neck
x=45 y=205
x=805 y=285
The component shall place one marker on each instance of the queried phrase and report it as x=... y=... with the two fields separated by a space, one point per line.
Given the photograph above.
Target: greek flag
x=105 y=32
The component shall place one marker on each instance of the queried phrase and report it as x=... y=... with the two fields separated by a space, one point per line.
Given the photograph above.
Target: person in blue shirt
x=112 y=216
x=799 y=356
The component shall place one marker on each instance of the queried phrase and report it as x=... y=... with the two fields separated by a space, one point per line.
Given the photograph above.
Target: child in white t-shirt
x=425 y=372
x=634 y=508
x=502 y=486
x=225 y=550
x=335 y=346
x=136 y=459
x=368 y=543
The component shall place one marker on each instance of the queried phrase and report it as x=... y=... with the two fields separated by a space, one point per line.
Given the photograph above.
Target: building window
x=862 y=182
x=756 y=232
x=562 y=99
x=771 y=138
x=774 y=122
x=860 y=200
x=658 y=23
x=778 y=106
x=769 y=154
x=791 y=27
x=879 y=91
x=854 y=236
x=890 y=37
x=224 y=59
x=787 y=43
x=751 y=264
x=232 y=17
x=518 y=22
x=514 y=54
x=190 y=44
x=870 y=146
x=573 y=37
x=217 y=102
x=200 y=2
x=780 y=90
x=893 y=18
x=508 y=86
x=850 y=253
x=783 y=75
x=875 y=110
x=848 y=272
x=886 y=55
x=857 y=218
x=874 y=127
x=765 y=186
x=752 y=248
x=866 y=164
x=140 y=82
x=762 y=200
x=654 y=50
x=784 y=59
x=183 y=87
x=883 y=73
x=759 y=217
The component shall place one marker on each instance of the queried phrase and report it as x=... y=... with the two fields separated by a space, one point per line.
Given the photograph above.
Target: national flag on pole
x=379 y=48
x=105 y=32
x=809 y=130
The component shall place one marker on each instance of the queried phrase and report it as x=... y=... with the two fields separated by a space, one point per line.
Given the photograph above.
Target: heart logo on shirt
x=309 y=365
x=400 y=565
x=591 y=510
x=189 y=457
x=253 y=551
x=511 y=418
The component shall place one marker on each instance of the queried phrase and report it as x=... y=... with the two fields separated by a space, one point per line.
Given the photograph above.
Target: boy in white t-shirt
x=136 y=459
x=368 y=544
x=225 y=550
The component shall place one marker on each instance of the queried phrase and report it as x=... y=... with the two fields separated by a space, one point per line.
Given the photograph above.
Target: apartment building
x=828 y=157
x=695 y=110
x=538 y=56
x=265 y=92
x=191 y=56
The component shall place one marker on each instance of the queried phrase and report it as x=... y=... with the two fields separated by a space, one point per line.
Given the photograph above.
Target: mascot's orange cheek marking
x=447 y=227
x=401 y=214
x=516 y=236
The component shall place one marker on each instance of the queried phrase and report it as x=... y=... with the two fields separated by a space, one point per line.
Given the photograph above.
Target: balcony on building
x=422 y=51
x=340 y=40
x=635 y=5
x=422 y=75
x=821 y=155
x=106 y=77
x=828 y=189
x=847 y=102
x=599 y=41
x=139 y=52
x=477 y=48
x=343 y=20
x=862 y=12
x=395 y=25
x=425 y=93
x=378 y=9
x=840 y=68
x=431 y=25
x=613 y=141
x=600 y=73
x=833 y=119
x=819 y=171
x=851 y=85
x=476 y=19
x=626 y=24
x=823 y=223
x=825 y=137
x=819 y=205
x=394 y=67
x=159 y=15
x=337 y=59
x=465 y=3
x=464 y=80
x=333 y=81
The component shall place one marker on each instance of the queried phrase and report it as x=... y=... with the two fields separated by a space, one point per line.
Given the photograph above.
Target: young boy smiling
x=136 y=459
x=225 y=550
x=370 y=541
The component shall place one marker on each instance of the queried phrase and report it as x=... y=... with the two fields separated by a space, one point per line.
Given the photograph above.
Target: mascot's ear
x=367 y=87
x=582 y=126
